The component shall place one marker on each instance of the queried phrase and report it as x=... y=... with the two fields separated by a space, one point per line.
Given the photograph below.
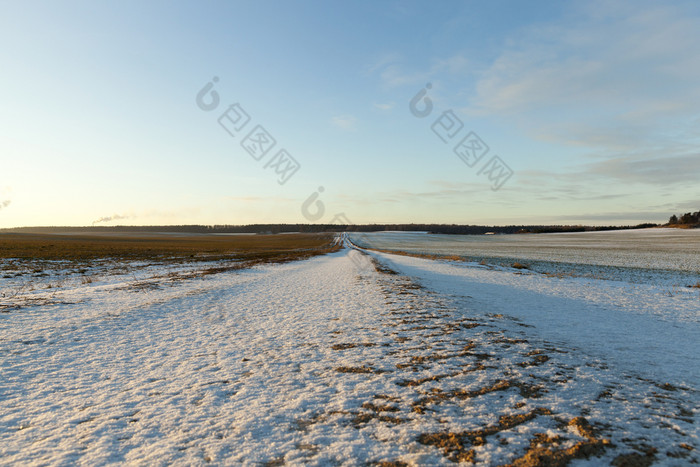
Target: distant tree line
x=689 y=218
x=318 y=228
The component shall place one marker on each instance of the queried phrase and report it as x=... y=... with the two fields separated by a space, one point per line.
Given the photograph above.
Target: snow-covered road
x=332 y=360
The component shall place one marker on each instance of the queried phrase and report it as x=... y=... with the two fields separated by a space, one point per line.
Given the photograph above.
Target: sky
x=239 y=112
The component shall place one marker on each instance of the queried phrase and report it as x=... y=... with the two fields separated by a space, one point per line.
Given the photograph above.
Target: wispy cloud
x=345 y=122
x=387 y=106
x=617 y=82
x=619 y=69
x=447 y=192
x=621 y=217
x=394 y=71
x=115 y=217
x=261 y=199
x=660 y=170
x=648 y=169
x=382 y=62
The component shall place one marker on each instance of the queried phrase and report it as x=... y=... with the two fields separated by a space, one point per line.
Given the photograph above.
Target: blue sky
x=593 y=106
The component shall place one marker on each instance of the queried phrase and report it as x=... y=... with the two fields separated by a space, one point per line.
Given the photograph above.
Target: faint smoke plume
x=115 y=217
x=5 y=204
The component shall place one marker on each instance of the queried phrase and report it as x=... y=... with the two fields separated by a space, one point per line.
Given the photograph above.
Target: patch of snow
x=331 y=361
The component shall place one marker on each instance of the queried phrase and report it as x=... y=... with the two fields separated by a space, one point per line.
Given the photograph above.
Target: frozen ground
x=662 y=255
x=349 y=358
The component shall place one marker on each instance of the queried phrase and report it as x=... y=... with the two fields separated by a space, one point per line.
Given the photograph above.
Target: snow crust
x=333 y=361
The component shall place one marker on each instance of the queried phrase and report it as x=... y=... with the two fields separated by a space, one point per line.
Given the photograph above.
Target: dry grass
x=456 y=446
x=544 y=450
x=438 y=396
x=87 y=280
x=352 y=345
x=418 y=255
x=358 y=369
x=33 y=256
x=83 y=248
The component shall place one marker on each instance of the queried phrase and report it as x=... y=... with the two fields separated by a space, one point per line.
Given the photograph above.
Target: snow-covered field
x=660 y=255
x=351 y=358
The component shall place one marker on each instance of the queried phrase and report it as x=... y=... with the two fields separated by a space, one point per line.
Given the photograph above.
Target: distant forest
x=311 y=228
x=687 y=219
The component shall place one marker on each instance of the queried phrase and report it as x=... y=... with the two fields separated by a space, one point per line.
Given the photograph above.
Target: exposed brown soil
x=545 y=451
x=352 y=345
x=358 y=369
x=34 y=255
x=456 y=446
x=634 y=459
x=78 y=247
x=439 y=352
